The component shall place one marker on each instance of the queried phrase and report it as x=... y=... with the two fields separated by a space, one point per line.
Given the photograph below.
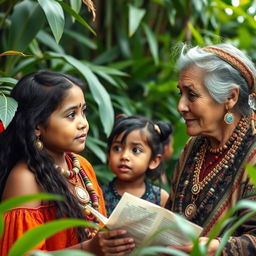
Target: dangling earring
x=229 y=118
x=38 y=143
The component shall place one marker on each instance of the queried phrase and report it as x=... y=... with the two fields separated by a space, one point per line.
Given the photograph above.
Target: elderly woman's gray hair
x=221 y=77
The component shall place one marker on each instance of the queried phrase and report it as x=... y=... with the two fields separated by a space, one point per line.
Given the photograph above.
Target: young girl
x=35 y=157
x=134 y=153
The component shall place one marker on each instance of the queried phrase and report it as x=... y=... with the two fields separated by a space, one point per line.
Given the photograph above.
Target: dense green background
x=126 y=56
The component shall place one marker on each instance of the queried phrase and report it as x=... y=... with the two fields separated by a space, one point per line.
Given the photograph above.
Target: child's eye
x=136 y=150
x=117 y=148
x=71 y=115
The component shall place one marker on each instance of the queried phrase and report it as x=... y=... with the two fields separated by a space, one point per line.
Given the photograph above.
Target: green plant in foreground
x=33 y=236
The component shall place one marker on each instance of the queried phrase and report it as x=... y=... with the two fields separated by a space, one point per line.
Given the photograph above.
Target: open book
x=148 y=222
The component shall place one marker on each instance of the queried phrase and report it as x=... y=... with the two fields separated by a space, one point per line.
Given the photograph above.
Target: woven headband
x=233 y=61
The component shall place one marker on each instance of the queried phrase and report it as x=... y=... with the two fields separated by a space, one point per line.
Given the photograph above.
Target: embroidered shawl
x=233 y=185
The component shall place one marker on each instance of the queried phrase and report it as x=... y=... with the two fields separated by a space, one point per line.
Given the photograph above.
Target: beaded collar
x=223 y=164
x=85 y=193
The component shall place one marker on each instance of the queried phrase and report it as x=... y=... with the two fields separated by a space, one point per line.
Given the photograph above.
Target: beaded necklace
x=86 y=194
x=226 y=161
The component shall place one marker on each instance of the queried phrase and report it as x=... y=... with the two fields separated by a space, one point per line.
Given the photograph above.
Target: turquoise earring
x=229 y=118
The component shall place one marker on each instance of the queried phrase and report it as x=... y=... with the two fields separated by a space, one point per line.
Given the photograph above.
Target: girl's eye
x=117 y=148
x=71 y=115
x=136 y=150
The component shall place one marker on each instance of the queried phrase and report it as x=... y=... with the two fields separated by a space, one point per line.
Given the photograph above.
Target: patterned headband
x=233 y=61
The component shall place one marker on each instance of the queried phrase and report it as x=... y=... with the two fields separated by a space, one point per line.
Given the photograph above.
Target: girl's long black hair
x=156 y=132
x=38 y=94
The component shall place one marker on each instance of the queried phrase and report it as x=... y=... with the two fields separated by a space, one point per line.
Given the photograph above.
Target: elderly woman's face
x=202 y=115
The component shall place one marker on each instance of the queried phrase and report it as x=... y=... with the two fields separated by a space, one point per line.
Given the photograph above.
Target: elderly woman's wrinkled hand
x=212 y=248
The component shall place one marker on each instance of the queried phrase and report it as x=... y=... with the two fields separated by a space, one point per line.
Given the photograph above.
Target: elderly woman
x=217 y=85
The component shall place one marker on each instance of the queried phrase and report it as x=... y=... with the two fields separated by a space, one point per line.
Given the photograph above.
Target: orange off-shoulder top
x=19 y=220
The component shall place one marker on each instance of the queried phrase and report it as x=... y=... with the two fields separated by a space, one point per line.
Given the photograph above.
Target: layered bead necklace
x=85 y=195
x=228 y=151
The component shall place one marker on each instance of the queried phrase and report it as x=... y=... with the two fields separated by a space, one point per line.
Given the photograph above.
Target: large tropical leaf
x=76 y=5
x=26 y=20
x=61 y=253
x=135 y=17
x=11 y=203
x=46 y=39
x=34 y=236
x=8 y=80
x=55 y=17
x=8 y=107
x=152 y=43
x=75 y=15
x=157 y=250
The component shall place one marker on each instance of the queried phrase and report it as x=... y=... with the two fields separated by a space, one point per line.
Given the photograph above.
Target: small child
x=134 y=154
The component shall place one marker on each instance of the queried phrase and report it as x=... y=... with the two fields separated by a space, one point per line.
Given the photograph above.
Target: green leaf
x=91 y=143
x=157 y=250
x=76 y=5
x=10 y=52
x=238 y=11
x=46 y=39
x=8 y=107
x=26 y=21
x=152 y=43
x=252 y=173
x=61 y=253
x=11 y=203
x=75 y=15
x=81 y=38
x=33 y=237
x=135 y=17
x=19 y=200
x=107 y=70
x=55 y=17
x=196 y=34
x=8 y=80
x=230 y=231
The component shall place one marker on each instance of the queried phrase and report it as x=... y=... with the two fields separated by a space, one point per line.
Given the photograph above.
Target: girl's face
x=130 y=160
x=203 y=115
x=67 y=127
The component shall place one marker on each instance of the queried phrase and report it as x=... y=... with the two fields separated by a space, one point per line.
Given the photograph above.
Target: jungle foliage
x=126 y=55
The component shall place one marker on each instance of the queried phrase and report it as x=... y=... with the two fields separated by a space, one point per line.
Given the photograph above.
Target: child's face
x=130 y=160
x=67 y=127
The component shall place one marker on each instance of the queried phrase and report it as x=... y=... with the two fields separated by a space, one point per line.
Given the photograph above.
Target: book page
x=142 y=219
x=136 y=219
